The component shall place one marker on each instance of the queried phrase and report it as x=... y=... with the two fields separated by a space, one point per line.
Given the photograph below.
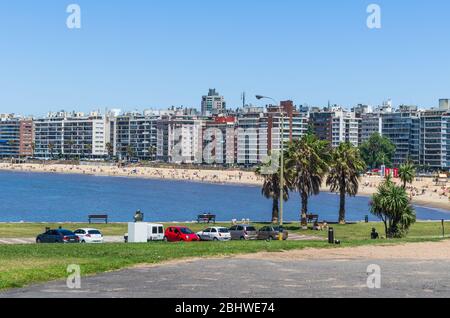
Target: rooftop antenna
x=243 y=99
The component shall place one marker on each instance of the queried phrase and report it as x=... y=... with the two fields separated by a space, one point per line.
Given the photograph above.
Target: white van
x=155 y=232
x=140 y=231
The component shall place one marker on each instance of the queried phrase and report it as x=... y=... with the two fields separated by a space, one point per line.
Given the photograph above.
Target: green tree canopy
x=377 y=151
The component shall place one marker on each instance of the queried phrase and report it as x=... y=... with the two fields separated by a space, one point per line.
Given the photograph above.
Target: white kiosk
x=137 y=232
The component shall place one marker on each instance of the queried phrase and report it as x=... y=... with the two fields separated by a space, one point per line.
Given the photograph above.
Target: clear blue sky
x=139 y=54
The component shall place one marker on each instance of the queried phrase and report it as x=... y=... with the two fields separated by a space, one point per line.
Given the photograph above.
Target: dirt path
x=417 y=251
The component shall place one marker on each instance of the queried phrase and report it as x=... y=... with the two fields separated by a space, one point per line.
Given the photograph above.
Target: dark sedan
x=272 y=233
x=58 y=236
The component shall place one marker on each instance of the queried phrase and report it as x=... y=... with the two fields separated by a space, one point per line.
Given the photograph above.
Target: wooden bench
x=103 y=217
x=206 y=218
x=312 y=218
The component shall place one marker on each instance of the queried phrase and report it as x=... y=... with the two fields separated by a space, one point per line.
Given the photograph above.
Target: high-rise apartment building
x=435 y=139
x=403 y=129
x=336 y=125
x=252 y=138
x=371 y=123
x=26 y=138
x=444 y=104
x=213 y=103
x=72 y=135
x=135 y=136
x=180 y=140
x=219 y=141
x=9 y=136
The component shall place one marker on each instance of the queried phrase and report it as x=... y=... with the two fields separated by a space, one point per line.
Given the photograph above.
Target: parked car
x=57 y=236
x=89 y=235
x=243 y=232
x=272 y=233
x=180 y=234
x=215 y=234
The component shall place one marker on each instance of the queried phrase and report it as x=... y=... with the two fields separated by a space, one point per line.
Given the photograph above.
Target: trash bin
x=331 y=235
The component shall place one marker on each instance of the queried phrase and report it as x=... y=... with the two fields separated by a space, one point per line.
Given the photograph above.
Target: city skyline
x=232 y=108
x=159 y=54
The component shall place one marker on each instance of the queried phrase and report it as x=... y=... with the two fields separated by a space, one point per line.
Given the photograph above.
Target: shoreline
x=430 y=197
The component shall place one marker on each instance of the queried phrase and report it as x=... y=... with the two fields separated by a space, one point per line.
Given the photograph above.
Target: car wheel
x=215 y=239
x=83 y=242
x=270 y=238
x=38 y=241
x=165 y=239
x=242 y=238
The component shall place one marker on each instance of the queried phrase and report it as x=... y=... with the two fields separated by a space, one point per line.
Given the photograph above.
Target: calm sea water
x=71 y=198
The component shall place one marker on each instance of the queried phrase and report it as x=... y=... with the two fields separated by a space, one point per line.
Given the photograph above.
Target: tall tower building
x=213 y=103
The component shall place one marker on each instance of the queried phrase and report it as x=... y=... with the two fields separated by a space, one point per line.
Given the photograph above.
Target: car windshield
x=224 y=231
x=186 y=231
x=251 y=229
x=95 y=232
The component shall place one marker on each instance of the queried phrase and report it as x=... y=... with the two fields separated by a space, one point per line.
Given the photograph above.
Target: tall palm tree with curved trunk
x=271 y=188
x=407 y=173
x=345 y=169
x=306 y=165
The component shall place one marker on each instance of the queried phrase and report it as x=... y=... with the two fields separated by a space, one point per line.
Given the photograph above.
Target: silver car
x=243 y=232
x=215 y=234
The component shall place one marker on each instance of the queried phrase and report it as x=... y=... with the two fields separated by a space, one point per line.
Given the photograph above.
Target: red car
x=180 y=234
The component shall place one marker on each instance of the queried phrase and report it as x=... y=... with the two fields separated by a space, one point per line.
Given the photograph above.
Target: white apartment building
x=345 y=128
x=435 y=139
x=252 y=137
x=180 y=140
x=72 y=135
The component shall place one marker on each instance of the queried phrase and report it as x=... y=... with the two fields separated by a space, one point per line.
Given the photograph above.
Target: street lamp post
x=281 y=161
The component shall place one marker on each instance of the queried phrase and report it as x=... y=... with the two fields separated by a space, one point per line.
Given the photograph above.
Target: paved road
x=265 y=278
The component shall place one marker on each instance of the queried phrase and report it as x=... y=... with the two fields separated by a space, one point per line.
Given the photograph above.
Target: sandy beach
x=423 y=192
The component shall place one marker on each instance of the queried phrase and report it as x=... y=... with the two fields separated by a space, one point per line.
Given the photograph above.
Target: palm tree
x=306 y=165
x=89 y=150
x=152 y=150
x=407 y=173
x=110 y=149
x=345 y=169
x=391 y=204
x=51 y=148
x=130 y=152
x=271 y=188
x=70 y=143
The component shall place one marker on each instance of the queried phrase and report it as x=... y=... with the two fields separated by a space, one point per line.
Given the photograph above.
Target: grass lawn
x=21 y=265
x=358 y=231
